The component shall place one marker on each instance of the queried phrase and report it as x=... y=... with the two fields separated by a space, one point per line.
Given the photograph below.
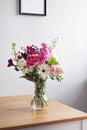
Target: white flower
x=44 y=70
x=21 y=63
x=17 y=56
x=60 y=70
x=25 y=70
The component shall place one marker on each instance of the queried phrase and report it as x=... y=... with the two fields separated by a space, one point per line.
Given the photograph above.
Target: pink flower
x=32 y=60
x=54 y=69
x=44 y=45
x=45 y=53
x=51 y=53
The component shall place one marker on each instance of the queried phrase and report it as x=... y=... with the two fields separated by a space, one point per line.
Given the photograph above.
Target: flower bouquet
x=37 y=64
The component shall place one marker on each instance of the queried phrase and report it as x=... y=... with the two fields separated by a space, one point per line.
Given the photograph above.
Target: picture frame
x=32 y=7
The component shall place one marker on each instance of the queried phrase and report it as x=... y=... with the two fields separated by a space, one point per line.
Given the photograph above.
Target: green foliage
x=59 y=78
x=34 y=76
x=53 y=61
x=14 y=49
x=54 y=43
x=52 y=76
x=24 y=50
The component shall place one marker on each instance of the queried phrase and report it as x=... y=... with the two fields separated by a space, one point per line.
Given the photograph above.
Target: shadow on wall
x=81 y=101
x=17 y=7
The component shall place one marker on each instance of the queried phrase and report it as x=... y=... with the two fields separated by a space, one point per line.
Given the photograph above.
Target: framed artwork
x=32 y=7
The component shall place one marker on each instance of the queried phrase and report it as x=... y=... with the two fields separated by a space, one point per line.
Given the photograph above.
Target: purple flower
x=16 y=68
x=24 y=55
x=30 y=49
x=10 y=63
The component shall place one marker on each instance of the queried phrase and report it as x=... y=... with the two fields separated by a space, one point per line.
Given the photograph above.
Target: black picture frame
x=38 y=8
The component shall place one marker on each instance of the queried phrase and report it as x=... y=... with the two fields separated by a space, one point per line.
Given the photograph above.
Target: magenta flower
x=30 y=49
x=32 y=60
x=10 y=63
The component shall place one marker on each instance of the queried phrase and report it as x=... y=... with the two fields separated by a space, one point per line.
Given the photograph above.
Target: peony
x=32 y=60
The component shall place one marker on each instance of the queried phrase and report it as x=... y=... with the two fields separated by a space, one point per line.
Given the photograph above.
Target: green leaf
x=59 y=78
x=52 y=76
x=14 y=49
x=54 y=43
x=26 y=77
x=53 y=61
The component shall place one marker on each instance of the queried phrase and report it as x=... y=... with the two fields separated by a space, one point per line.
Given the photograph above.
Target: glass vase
x=39 y=100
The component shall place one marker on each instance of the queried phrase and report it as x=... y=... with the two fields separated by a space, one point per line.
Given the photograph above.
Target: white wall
x=66 y=19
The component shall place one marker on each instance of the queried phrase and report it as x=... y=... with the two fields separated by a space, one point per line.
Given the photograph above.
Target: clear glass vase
x=39 y=100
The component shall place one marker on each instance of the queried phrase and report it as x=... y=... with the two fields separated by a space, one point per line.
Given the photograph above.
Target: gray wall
x=66 y=19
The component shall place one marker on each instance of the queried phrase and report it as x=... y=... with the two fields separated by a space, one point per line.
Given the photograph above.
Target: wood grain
x=16 y=112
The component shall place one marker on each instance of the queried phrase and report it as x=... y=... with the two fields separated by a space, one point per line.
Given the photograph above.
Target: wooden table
x=16 y=113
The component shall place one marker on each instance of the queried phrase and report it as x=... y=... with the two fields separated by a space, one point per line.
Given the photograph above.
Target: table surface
x=16 y=112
